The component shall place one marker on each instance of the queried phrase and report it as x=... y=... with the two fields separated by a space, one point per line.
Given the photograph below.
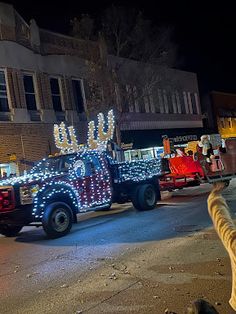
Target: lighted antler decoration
x=100 y=142
x=66 y=141
x=65 y=138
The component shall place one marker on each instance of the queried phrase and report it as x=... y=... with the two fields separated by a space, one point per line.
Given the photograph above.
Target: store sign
x=127 y=146
x=185 y=138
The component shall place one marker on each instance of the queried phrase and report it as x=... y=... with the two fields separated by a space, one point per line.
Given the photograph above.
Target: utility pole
x=23 y=150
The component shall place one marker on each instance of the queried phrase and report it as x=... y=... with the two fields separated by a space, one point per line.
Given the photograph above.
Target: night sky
x=205 y=34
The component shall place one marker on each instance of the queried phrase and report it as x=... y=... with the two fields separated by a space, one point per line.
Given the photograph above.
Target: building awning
x=152 y=138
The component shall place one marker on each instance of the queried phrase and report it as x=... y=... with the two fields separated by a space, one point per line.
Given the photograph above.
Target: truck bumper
x=18 y=216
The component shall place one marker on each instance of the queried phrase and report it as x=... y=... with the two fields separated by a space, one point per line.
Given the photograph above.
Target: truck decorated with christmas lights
x=78 y=180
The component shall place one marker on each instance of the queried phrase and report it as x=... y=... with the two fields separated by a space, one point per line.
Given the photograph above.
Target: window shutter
x=11 y=93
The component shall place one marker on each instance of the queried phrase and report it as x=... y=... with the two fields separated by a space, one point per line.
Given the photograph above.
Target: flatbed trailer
x=187 y=171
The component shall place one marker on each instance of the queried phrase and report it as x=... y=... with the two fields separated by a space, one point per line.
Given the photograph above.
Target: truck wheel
x=227 y=183
x=145 y=197
x=134 y=197
x=57 y=220
x=10 y=230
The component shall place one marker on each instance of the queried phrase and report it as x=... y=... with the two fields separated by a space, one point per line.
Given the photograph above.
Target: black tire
x=227 y=183
x=10 y=230
x=145 y=197
x=134 y=197
x=57 y=220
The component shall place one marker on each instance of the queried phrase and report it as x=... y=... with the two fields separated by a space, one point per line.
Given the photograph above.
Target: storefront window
x=147 y=153
x=8 y=170
x=135 y=155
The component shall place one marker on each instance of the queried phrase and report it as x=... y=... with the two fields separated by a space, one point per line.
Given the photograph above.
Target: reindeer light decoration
x=65 y=138
x=66 y=141
x=100 y=142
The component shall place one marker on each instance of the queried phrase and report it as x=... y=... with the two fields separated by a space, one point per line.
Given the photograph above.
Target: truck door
x=101 y=181
x=80 y=176
x=91 y=183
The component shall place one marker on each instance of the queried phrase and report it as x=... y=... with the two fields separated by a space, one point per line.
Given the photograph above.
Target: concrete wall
x=224 y=106
x=19 y=57
x=7 y=14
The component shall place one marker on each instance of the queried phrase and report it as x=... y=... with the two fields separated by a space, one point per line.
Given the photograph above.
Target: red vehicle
x=59 y=188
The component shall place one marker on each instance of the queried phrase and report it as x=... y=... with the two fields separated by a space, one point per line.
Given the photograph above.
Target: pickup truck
x=58 y=188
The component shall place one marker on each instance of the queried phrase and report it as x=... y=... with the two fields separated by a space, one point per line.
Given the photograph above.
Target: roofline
x=66 y=36
x=222 y=93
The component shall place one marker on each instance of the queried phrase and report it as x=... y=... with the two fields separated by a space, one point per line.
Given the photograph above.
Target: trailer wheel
x=10 y=230
x=145 y=197
x=57 y=220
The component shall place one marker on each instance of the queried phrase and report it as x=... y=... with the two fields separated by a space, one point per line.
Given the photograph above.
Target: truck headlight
x=27 y=194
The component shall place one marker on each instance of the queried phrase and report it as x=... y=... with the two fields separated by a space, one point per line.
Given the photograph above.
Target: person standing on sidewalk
x=226 y=229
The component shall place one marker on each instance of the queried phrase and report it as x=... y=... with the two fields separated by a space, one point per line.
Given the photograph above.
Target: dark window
x=194 y=105
x=125 y=102
x=78 y=95
x=182 y=104
x=130 y=97
x=165 y=102
x=66 y=163
x=125 y=106
x=170 y=103
x=56 y=95
x=4 y=104
x=3 y=93
x=89 y=168
x=29 y=92
x=178 y=103
x=160 y=101
x=156 y=101
x=96 y=163
x=142 y=106
x=140 y=96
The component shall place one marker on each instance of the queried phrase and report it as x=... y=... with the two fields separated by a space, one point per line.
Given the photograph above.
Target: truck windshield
x=48 y=165
x=52 y=165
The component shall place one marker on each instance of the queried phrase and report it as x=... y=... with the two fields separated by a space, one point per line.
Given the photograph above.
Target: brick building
x=157 y=101
x=224 y=113
x=43 y=78
x=47 y=77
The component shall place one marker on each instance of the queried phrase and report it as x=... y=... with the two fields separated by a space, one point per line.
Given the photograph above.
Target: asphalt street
x=108 y=253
